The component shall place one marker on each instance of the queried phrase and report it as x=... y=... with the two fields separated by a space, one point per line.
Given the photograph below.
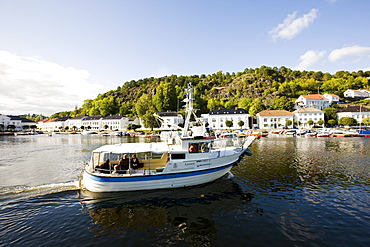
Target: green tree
x=241 y=123
x=288 y=123
x=366 y=121
x=332 y=122
x=282 y=103
x=320 y=122
x=310 y=122
x=107 y=106
x=214 y=104
x=347 y=121
x=256 y=107
x=245 y=103
x=143 y=105
x=229 y=123
x=330 y=113
x=165 y=98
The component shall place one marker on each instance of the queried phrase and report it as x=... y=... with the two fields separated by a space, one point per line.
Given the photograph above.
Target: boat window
x=204 y=147
x=193 y=148
x=199 y=147
x=177 y=156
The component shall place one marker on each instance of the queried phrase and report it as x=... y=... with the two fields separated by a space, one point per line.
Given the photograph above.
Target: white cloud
x=353 y=53
x=292 y=26
x=309 y=58
x=31 y=85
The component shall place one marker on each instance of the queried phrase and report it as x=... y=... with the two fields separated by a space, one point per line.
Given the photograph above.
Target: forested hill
x=253 y=89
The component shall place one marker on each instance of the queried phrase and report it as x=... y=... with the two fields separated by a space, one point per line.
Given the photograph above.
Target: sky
x=56 y=54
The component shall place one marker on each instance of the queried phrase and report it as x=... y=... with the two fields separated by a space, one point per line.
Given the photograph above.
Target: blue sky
x=55 y=54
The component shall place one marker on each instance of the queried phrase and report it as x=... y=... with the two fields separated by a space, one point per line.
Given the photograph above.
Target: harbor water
x=293 y=191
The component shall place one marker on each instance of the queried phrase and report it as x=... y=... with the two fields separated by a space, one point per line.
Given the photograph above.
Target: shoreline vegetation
x=254 y=89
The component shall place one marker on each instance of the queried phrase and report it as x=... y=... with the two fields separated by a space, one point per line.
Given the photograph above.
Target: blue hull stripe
x=155 y=177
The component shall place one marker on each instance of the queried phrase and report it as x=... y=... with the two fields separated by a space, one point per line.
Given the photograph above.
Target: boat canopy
x=156 y=147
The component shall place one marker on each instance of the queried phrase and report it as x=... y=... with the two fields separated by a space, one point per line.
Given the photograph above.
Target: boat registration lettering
x=205 y=164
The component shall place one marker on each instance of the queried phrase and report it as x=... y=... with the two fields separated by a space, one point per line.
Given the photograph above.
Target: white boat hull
x=100 y=183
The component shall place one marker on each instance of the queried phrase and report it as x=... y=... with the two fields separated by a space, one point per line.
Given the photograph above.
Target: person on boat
x=135 y=164
x=123 y=164
x=192 y=149
x=104 y=167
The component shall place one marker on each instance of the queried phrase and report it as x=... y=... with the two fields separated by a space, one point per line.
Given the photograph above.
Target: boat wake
x=39 y=190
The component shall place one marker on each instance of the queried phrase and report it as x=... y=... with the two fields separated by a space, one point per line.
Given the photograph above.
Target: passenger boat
x=186 y=160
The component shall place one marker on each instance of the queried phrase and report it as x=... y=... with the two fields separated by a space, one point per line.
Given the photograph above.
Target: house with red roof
x=317 y=101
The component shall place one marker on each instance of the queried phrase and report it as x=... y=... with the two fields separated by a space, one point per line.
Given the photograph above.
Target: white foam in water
x=32 y=191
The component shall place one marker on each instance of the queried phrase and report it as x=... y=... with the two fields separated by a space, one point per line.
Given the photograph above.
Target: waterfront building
x=4 y=122
x=18 y=123
x=170 y=119
x=217 y=118
x=273 y=119
x=75 y=122
x=114 y=122
x=305 y=114
x=355 y=111
x=92 y=122
x=46 y=125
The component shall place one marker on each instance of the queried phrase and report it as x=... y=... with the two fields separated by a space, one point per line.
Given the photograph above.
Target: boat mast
x=189 y=109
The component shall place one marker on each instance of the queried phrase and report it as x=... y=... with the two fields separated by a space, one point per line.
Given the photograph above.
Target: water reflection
x=182 y=215
x=279 y=164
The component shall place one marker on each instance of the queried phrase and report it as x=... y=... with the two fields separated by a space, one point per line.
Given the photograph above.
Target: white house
x=115 y=122
x=92 y=122
x=170 y=119
x=16 y=122
x=331 y=98
x=75 y=122
x=4 y=122
x=47 y=125
x=217 y=118
x=351 y=93
x=272 y=119
x=305 y=114
x=312 y=100
x=357 y=112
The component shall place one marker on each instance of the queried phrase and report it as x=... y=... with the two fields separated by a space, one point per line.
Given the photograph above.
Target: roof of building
x=268 y=113
x=92 y=118
x=50 y=120
x=313 y=96
x=62 y=119
x=331 y=94
x=168 y=114
x=229 y=111
x=19 y=118
x=113 y=117
x=307 y=110
x=79 y=116
x=355 y=108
